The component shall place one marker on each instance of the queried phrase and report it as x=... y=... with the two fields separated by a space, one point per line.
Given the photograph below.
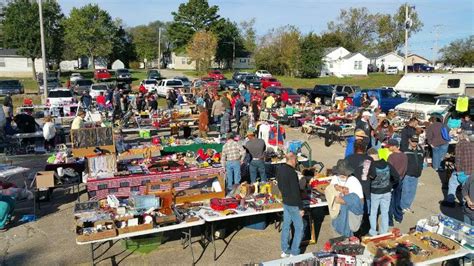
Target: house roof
x=349 y=55
x=382 y=55
x=8 y=53
x=418 y=56
x=330 y=50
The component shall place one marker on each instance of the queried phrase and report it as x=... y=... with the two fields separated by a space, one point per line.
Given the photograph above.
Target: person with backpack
x=437 y=136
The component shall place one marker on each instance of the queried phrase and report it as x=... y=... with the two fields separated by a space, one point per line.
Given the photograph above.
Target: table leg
x=191 y=243
x=92 y=254
x=213 y=239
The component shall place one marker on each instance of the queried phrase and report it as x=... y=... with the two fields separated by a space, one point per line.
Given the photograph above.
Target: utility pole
x=233 y=54
x=159 y=48
x=43 y=50
x=435 y=48
x=406 y=38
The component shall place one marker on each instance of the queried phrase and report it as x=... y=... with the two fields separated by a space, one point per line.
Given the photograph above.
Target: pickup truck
x=420 y=67
x=168 y=84
x=270 y=82
x=12 y=86
x=388 y=98
x=216 y=74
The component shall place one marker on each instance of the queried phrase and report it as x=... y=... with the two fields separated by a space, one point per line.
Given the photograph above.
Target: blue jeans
x=438 y=155
x=453 y=185
x=376 y=200
x=395 y=211
x=409 y=186
x=232 y=169
x=254 y=166
x=291 y=214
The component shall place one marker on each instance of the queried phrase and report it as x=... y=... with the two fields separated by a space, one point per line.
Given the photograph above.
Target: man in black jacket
x=414 y=168
x=292 y=206
x=407 y=132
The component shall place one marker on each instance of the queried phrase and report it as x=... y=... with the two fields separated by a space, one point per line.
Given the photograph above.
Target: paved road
x=51 y=240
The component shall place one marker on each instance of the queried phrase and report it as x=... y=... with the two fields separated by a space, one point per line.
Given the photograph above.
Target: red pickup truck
x=102 y=74
x=216 y=74
x=270 y=82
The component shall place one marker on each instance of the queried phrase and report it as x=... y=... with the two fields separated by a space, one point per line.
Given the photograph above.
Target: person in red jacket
x=284 y=96
x=100 y=100
x=142 y=89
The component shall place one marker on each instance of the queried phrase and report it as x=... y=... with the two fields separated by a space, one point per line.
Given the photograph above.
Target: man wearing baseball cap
x=415 y=156
x=399 y=161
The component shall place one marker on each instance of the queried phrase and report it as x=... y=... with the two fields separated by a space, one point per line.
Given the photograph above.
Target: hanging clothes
x=264 y=132
x=462 y=104
x=276 y=132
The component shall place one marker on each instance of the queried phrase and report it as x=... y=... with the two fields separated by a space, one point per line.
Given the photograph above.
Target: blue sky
x=455 y=16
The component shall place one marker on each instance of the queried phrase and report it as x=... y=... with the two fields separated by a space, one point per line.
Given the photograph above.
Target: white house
x=14 y=65
x=181 y=61
x=339 y=62
x=391 y=59
x=244 y=62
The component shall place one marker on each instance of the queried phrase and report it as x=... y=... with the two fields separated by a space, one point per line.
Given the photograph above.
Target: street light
x=233 y=51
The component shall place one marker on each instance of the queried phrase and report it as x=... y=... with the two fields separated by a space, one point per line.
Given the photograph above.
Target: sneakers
x=284 y=255
x=408 y=210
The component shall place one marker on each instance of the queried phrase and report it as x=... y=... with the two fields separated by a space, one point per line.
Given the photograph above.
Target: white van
x=423 y=89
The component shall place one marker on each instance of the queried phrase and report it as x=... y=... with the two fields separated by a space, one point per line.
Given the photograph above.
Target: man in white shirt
x=374 y=104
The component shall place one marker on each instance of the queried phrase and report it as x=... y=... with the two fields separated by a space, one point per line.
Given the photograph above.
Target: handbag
x=224 y=204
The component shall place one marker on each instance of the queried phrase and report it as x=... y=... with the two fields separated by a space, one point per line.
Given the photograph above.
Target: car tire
x=327 y=101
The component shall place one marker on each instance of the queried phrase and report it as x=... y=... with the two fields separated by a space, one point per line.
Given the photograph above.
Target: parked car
x=391 y=70
x=168 y=84
x=211 y=82
x=293 y=96
x=388 y=98
x=12 y=86
x=270 y=82
x=372 y=68
x=123 y=75
x=197 y=83
x=102 y=75
x=81 y=85
x=238 y=76
x=59 y=97
x=420 y=67
x=96 y=89
x=185 y=80
x=53 y=83
x=345 y=90
x=216 y=74
x=150 y=84
x=252 y=81
x=263 y=74
x=154 y=74
x=228 y=84
x=451 y=109
x=325 y=92
x=75 y=76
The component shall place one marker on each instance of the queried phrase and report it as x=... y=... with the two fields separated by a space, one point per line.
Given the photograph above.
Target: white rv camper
x=424 y=87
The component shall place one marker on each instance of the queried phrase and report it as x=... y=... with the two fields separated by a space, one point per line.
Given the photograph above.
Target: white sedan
x=60 y=97
x=150 y=84
x=96 y=89
x=263 y=74
x=391 y=71
x=75 y=77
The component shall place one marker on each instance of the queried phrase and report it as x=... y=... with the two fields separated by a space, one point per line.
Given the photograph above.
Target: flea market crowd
x=179 y=178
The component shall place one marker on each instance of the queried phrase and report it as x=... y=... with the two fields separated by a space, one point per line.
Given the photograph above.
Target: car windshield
x=122 y=71
x=422 y=98
x=263 y=71
x=9 y=83
x=230 y=82
x=291 y=91
x=84 y=82
x=174 y=83
x=60 y=94
x=207 y=79
x=152 y=81
x=183 y=79
x=99 y=87
x=273 y=80
x=154 y=72
x=389 y=94
x=216 y=72
x=326 y=88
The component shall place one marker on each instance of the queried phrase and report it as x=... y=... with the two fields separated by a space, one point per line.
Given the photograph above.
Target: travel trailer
x=423 y=89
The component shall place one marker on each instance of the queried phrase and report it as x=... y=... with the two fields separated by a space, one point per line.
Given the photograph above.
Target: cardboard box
x=45 y=179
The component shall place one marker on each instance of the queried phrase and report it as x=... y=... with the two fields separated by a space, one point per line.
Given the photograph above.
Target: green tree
x=390 y=29
x=357 y=27
x=202 y=49
x=228 y=36
x=311 y=56
x=193 y=16
x=21 y=29
x=334 y=39
x=145 y=39
x=90 y=31
x=289 y=49
x=123 y=46
x=459 y=52
x=249 y=36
